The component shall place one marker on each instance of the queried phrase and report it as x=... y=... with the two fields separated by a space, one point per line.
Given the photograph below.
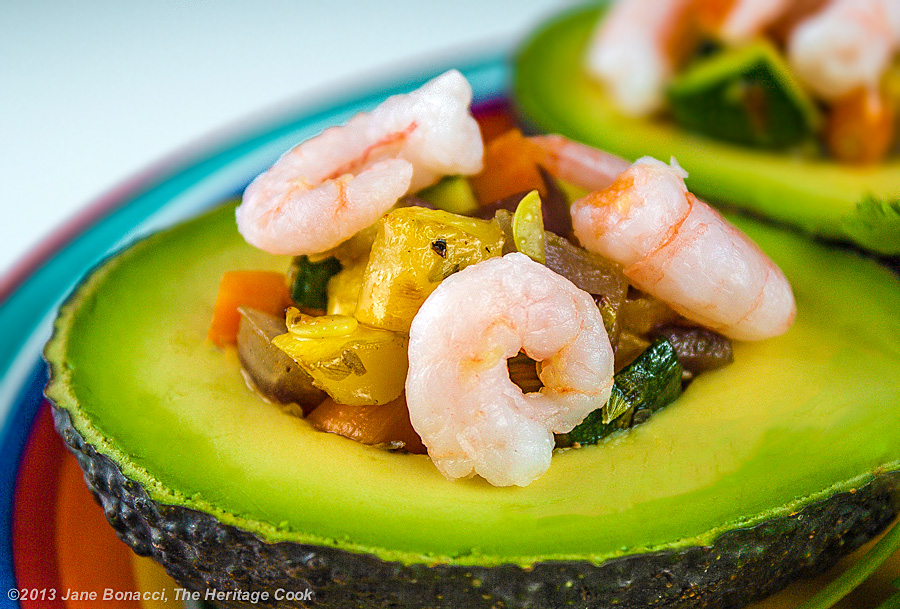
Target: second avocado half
x=553 y=93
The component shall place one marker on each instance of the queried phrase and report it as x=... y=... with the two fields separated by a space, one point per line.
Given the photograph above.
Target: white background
x=93 y=92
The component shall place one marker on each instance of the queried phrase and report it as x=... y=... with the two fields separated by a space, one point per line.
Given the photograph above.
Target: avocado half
x=763 y=471
x=554 y=94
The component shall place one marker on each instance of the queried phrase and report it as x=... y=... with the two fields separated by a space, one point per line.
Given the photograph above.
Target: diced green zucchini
x=651 y=382
x=745 y=95
x=309 y=281
x=415 y=249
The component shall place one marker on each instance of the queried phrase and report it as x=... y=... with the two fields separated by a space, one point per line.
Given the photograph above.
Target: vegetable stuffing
x=490 y=302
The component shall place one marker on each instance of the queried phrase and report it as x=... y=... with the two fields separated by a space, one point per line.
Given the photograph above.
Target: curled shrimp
x=328 y=188
x=638 y=43
x=682 y=251
x=845 y=46
x=461 y=401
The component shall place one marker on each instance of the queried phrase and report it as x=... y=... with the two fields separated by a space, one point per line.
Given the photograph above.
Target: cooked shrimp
x=682 y=251
x=846 y=46
x=579 y=164
x=638 y=43
x=470 y=415
x=631 y=51
x=328 y=188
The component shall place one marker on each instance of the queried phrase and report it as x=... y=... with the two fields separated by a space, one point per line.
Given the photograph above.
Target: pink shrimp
x=682 y=251
x=469 y=414
x=328 y=188
x=847 y=45
x=630 y=51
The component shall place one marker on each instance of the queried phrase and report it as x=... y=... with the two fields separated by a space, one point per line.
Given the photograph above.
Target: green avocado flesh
x=793 y=420
x=555 y=94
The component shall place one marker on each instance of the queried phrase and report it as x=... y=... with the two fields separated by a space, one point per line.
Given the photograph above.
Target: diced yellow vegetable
x=364 y=366
x=344 y=287
x=528 y=227
x=301 y=325
x=415 y=249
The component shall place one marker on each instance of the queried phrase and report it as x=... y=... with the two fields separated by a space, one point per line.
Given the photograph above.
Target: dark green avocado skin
x=741 y=566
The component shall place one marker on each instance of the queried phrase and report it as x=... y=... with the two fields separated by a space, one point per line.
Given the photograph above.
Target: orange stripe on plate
x=36 y=496
x=91 y=557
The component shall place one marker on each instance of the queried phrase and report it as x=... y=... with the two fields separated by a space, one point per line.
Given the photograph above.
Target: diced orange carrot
x=494 y=122
x=510 y=167
x=266 y=291
x=368 y=424
x=860 y=127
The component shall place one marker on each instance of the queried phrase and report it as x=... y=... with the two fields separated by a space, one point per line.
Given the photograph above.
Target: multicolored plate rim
x=173 y=190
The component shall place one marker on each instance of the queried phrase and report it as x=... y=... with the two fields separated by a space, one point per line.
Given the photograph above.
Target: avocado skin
x=741 y=566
